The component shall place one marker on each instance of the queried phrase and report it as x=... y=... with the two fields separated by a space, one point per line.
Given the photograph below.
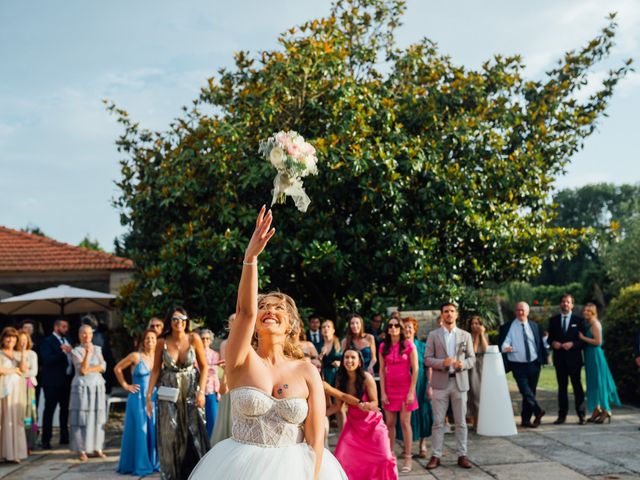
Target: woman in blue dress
x=601 y=389
x=138 y=453
x=361 y=341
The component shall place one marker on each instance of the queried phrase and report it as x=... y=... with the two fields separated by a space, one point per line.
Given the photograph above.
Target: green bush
x=551 y=293
x=620 y=325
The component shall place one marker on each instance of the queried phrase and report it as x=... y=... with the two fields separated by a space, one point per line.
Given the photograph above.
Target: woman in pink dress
x=398 y=376
x=363 y=447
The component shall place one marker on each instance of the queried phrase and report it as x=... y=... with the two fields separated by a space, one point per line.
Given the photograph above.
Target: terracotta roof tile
x=25 y=252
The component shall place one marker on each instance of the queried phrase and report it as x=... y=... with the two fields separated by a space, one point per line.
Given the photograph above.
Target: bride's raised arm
x=239 y=342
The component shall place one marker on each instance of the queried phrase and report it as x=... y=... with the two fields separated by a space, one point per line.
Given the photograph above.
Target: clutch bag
x=168 y=394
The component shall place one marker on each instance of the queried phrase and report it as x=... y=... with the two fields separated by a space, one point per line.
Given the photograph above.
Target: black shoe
x=45 y=446
x=538 y=418
x=560 y=420
x=64 y=441
x=581 y=421
x=528 y=425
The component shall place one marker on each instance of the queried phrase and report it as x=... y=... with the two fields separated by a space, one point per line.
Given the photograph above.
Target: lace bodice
x=263 y=420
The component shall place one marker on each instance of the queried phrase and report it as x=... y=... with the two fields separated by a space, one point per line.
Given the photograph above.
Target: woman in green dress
x=422 y=418
x=601 y=389
x=330 y=353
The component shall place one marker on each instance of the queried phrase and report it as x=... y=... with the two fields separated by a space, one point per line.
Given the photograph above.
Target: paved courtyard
x=550 y=452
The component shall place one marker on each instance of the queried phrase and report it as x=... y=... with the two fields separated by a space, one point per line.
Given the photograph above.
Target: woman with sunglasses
x=277 y=397
x=399 y=371
x=182 y=431
x=363 y=447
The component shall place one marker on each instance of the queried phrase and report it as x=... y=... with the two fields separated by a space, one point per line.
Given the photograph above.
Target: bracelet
x=250 y=264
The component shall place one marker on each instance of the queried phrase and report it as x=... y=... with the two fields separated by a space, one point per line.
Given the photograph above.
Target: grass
x=548 y=379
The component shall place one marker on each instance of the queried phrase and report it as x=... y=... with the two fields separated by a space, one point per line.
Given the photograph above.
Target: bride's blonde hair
x=291 y=349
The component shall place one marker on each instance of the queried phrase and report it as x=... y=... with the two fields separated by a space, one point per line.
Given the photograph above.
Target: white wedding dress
x=267 y=442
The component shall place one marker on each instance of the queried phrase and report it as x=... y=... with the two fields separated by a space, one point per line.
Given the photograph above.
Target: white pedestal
x=495 y=418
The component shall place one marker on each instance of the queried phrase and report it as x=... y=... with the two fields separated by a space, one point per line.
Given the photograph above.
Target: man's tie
x=527 y=350
x=564 y=324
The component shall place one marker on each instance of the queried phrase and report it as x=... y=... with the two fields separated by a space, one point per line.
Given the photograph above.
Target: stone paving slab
x=569 y=451
x=533 y=471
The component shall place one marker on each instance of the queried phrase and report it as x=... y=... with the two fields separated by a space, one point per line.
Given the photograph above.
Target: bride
x=277 y=398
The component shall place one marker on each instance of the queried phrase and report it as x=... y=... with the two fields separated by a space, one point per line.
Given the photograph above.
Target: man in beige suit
x=449 y=354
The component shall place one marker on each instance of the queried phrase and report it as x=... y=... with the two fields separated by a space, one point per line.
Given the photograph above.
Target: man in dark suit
x=524 y=354
x=313 y=334
x=567 y=357
x=56 y=372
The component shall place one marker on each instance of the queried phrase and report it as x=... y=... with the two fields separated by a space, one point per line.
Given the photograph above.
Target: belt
x=452 y=375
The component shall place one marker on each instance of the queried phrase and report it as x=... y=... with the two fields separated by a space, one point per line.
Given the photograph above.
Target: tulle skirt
x=232 y=460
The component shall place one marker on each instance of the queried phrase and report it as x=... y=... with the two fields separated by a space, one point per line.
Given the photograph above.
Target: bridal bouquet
x=293 y=159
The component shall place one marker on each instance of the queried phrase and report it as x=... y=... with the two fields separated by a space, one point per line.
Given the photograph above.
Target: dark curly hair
x=342 y=377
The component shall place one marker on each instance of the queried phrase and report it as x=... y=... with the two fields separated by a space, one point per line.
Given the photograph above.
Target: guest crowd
x=382 y=383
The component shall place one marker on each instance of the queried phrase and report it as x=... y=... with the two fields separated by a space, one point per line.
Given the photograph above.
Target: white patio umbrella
x=60 y=300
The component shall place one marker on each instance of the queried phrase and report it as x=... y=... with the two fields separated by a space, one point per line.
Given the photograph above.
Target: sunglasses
x=177 y=319
x=394 y=325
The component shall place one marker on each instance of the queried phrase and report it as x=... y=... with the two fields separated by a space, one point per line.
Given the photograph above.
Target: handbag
x=168 y=394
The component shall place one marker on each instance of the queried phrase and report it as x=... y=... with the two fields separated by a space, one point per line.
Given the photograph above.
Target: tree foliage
x=621 y=324
x=605 y=210
x=91 y=244
x=433 y=176
x=622 y=256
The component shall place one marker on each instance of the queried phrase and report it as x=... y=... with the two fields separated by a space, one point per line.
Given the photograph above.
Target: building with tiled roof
x=30 y=262
x=26 y=252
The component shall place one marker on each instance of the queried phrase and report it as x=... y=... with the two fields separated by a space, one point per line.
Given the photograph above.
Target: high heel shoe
x=596 y=413
x=604 y=416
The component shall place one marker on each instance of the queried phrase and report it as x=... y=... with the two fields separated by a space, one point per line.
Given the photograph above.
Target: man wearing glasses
x=449 y=354
x=157 y=325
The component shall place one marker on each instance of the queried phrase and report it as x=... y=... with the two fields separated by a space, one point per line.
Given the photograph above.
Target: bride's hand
x=261 y=235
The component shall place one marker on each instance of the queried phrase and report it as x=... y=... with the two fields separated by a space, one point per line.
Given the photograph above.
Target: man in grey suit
x=449 y=354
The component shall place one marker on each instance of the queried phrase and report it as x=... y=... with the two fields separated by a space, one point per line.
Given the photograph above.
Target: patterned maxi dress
x=181 y=426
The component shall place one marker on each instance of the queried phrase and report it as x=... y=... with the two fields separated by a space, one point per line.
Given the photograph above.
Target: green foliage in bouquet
x=432 y=176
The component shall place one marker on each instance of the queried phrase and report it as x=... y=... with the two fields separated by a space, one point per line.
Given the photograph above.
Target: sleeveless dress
x=267 y=442
x=181 y=427
x=13 y=441
x=328 y=370
x=601 y=389
x=398 y=377
x=138 y=454
x=422 y=418
x=366 y=356
x=363 y=448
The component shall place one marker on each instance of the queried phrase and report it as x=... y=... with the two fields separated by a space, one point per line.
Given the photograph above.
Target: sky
x=60 y=58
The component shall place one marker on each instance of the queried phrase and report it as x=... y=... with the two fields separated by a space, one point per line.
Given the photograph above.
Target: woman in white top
x=25 y=348
x=277 y=398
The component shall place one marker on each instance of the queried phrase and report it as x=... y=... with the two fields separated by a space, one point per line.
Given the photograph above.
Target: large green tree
x=606 y=211
x=432 y=176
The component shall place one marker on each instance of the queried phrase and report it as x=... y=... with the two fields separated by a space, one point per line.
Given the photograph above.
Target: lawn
x=548 y=379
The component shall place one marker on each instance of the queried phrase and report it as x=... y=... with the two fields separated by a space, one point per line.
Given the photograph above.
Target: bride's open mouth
x=270 y=320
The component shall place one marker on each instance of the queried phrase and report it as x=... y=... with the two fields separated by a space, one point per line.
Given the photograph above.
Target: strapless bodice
x=263 y=420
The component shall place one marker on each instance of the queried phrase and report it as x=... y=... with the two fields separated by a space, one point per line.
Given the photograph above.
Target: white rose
x=277 y=157
x=310 y=163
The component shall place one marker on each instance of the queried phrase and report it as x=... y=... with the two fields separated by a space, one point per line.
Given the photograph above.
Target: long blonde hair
x=291 y=349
